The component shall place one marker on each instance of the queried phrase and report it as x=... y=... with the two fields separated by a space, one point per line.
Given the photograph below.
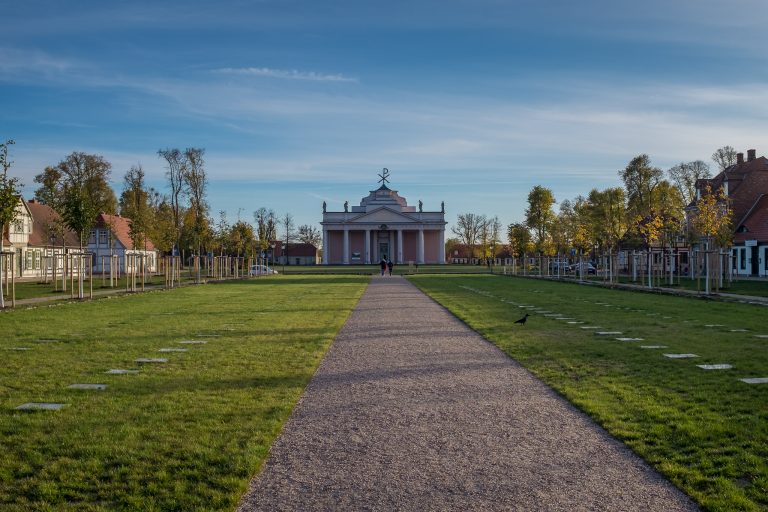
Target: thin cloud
x=290 y=74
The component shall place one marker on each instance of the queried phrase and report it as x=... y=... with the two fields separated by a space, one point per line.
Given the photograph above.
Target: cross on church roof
x=384 y=175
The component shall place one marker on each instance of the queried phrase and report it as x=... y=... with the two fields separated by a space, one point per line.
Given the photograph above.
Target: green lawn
x=186 y=435
x=705 y=430
x=404 y=269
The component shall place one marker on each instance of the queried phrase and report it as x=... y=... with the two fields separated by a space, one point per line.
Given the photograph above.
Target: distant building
x=297 y=254
x=111 y=236
x=383 y=226
x=746 y=186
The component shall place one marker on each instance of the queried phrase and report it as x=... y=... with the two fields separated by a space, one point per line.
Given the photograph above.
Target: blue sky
x=467 y=102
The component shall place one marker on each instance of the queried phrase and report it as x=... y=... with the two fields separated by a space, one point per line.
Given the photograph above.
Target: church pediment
x=382 y=216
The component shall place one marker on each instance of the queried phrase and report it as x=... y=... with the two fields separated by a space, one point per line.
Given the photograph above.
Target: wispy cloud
x=290 y=74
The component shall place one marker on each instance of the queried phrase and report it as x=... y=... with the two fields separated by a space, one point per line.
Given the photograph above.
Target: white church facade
x=383 y=226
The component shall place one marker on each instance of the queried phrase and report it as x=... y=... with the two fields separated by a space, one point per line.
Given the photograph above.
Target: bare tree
x=286 y=222
x=467 y=230
x=177 y=167
x=724 y=157
x=196 y=182
x=309 y=234
x=266 y=227
x=685 y=175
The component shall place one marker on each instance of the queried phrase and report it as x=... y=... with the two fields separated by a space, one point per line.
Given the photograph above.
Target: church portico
x=383 y=226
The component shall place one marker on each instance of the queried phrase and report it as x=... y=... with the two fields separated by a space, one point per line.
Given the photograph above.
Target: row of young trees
x=649 y=210
x=78 y=189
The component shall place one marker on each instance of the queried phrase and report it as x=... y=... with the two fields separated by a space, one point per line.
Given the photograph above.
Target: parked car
x=587 y=267
x=261 y=270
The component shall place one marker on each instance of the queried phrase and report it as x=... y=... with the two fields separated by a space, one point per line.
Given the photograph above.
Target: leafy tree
x=80 y=186
x=712 y=216
x=309 y=234
x=51 y=192
x=519 y=237
x=10 y=189
x=467 y=230
x=640 y=179
x=241 y=237
x=724 y=157
x=223 y=232
x=539 y=216
x=685 y=175
x=162 y=231
x=607 y=209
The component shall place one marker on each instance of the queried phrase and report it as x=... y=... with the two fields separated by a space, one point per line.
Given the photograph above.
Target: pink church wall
x=357 y=244
x=410 y=245
x=336 y=246
x=431 y=246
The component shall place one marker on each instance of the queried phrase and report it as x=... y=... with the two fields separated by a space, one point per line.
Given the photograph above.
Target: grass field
x=186 y=435
x=705 y=430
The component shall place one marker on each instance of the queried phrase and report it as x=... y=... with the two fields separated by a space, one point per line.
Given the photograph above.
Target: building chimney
x=750 y=155
x=739 y=158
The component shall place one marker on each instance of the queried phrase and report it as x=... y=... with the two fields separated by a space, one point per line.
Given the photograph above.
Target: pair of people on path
x=385 y=265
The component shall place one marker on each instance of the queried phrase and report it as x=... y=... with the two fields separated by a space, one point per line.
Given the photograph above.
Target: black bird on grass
x=522 y=320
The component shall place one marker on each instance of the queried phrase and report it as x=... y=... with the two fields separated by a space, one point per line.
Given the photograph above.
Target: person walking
x=389 y=266
x=383 y=265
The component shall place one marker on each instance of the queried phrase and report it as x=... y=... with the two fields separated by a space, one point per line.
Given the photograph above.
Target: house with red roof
x=48 y=240
x=111 y=236
x=746 y=185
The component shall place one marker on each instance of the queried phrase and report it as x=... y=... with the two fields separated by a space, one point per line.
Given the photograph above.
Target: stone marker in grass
x=590 y=327
x=19 y=348
x=173 y=350
x=40 y=406
x=143 y=360
x=607 y=333
x=98 y=387
x=629 y=339
x=120 y=371
x=208 y=335
x=715 y=366
x=680 y=356
x=193 y=342
x=574 y=322
x=739 y=330
x=714 y=325
x=653 y=346
x=48 y=340
x=763 y=336
x=755 y=380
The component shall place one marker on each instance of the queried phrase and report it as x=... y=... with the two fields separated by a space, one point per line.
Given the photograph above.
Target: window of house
x=743 y=259
x=29 y=264
x=38 y=257
x=103 y=237
x=298 y=261
x=734 y=257
x=92 y=237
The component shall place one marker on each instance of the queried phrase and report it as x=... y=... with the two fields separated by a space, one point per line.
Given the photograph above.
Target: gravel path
x=412 y=410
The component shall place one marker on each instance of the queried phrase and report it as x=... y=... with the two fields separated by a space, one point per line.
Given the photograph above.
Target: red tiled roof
x=746 y=181
x=43 y=219
x=755 y=222
x=121 y=230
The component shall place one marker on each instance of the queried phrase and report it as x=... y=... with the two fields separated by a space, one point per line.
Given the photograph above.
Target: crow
x=522 y=320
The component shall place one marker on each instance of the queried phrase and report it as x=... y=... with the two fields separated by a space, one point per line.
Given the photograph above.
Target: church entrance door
x=383 y=250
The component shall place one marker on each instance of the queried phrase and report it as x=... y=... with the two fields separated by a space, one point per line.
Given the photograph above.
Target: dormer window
x=742 y=229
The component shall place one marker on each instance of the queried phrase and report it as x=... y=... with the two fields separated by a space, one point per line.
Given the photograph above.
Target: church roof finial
x=384 y=177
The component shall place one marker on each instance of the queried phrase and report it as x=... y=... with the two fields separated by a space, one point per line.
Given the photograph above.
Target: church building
x=383 y=226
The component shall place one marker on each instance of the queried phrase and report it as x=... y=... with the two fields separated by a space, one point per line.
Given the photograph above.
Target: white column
x=367 y=253
x=420 y=254
x=441 y=254
x=326 y=245
x=346 y=246
x=400 y=246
